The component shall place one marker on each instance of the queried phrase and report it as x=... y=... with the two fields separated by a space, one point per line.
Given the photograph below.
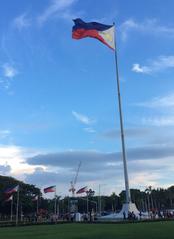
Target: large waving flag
x=104 y=33
x=50 y=189
x=11 y=190
x=82 y=190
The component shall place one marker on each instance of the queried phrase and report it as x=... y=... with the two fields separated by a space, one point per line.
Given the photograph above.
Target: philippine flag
x=50 y=189
x=104 y=33
x=82 y=190
x=12 y=190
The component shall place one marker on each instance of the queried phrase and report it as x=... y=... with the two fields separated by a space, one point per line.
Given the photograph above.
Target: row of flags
x=9 y=192
x=52 y=189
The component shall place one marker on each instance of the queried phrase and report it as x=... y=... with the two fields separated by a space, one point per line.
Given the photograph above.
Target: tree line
x=149 y=199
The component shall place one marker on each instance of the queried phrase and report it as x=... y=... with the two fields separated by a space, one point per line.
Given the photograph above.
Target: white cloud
x=14 y=156
x=57 y=7
x=97 y=167
x=9 y=71
x=164 y=107
x=126 y=27
x=144 y=179
x=149 y=26
x=5 y=169
x=159 y=102
x=156 y=65
x=140 y=69
x=22 y=22
x=89 y=130
x=83 y=118
x=4 y=133
x=159 y=121
x=129 y=133
x=59 y=167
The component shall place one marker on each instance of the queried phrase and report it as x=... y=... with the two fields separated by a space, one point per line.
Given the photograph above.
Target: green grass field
x=155 y=230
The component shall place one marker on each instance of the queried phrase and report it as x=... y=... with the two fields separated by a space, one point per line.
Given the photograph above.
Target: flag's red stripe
x=50 y=190
x=82 y=190
x=11 y=191
x=82 y=33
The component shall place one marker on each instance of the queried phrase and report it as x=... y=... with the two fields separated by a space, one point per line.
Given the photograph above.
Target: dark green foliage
x=151 y=198
x=27 y=192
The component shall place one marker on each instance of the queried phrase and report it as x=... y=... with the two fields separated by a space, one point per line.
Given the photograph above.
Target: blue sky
x=58 y=95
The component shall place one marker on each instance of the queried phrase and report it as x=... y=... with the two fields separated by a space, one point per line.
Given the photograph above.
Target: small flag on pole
x=35 y=198
x=9 y=199
x=104 y=33
x=50 y=189
x=82 y=190
x=12 y=190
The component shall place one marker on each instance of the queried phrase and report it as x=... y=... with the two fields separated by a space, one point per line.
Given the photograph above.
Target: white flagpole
x=11 y=217
x=21 y=213
x=57 y=206
x=17 y=206
x=87 y=205
x=99 y=202
x=37 y=205
x=128 y=195
x=55 y=203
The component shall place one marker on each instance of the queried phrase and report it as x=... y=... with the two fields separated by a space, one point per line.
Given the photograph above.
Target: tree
x=26 y=193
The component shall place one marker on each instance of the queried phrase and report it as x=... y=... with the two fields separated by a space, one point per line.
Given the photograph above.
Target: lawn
x=155 y=230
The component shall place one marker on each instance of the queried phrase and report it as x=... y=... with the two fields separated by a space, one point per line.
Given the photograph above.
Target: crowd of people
x=153 y=214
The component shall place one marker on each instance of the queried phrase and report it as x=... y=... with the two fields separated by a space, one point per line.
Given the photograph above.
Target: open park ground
x=150 y=230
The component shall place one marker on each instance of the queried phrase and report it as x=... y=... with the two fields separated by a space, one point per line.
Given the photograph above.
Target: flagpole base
x=127 y=210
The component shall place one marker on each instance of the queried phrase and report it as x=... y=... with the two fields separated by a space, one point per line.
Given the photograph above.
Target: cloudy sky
x=59 y=100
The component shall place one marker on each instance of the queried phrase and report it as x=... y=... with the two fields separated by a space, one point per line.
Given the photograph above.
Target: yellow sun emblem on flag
x=107 y=36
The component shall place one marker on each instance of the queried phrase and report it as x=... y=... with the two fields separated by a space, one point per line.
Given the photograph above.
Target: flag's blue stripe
x=49 y=187
x=9 y=189
x=79 y=24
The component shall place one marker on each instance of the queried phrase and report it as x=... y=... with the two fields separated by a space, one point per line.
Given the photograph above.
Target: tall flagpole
x=57 y=207
x=17 y=206
x=87 y=205
x=37 y=205
x=128 y=196
x=55 y=203
x=99 y=202
x=11 y=209
x=21 y=213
